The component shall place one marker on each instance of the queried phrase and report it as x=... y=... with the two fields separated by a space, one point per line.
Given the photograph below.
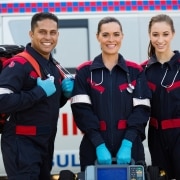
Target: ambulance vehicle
x=77 y=43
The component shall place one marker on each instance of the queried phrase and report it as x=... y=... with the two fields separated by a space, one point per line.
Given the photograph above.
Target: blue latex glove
x=67 y=87
x=103 y=154
x=47 y=85
x=124 y=154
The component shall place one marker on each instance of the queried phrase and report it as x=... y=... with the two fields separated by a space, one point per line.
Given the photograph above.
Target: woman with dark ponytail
x=162 y=72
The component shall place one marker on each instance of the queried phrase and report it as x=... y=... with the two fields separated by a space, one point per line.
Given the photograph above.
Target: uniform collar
x=98 y=63
x=175 y=60
x=39 y=58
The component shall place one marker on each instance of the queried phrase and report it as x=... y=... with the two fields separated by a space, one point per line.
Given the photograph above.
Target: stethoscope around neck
x=129 y=88
x=170 y=85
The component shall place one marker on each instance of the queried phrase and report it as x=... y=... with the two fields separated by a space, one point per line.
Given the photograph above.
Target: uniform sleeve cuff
x=95 y=137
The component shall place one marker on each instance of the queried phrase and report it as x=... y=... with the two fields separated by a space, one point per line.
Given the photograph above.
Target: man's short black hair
x=41 y=16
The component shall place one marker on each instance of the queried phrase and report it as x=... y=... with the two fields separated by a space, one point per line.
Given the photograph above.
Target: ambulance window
x=73 y=45
x=20 y=35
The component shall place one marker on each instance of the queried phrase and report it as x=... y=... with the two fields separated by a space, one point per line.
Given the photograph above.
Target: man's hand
x=67 y=87
x=47 y=85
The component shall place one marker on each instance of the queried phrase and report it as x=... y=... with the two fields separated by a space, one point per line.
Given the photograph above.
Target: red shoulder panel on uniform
x=87 y=63
x=14 y=59
x=133 y=65
x=143 y=64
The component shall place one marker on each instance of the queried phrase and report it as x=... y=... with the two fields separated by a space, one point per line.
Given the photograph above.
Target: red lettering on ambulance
x=75 y=129
x=64 y=124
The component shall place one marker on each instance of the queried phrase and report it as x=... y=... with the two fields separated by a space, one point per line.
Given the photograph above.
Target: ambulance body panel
x=77 y=43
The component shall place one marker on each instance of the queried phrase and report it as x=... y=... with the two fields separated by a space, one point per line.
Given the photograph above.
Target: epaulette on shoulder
x=133 y=65
x=84 y=64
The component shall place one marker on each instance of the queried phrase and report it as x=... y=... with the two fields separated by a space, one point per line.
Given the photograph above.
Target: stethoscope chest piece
x=130 y=88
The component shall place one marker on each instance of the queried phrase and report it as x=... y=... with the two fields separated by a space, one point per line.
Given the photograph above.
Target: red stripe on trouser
x=102 y=125
x=122 y=124
x=3 y=115
x=26 y=130
x=2 y=121
x=153 y=122
x=165 y=124
x=170 y=123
